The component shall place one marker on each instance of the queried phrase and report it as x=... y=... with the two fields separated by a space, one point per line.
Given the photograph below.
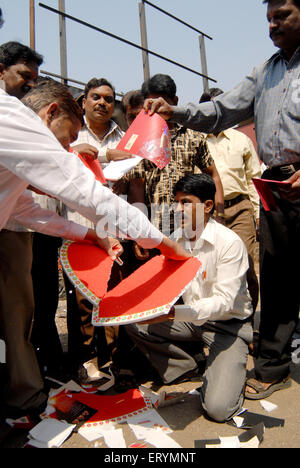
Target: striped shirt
x=272 y=95
x=190 y=154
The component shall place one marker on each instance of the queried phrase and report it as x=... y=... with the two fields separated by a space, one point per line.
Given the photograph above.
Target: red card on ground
x=115 y=408
x=149 y=138
x=88 y=267
x=264 y=189
x=148 y=293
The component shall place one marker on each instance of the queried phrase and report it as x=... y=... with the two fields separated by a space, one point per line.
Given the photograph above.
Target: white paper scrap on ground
x=2 y=352
x=151 y=420
x=268 y=406
x=91 y=433
x=51 y=432
x=95 y=375
x=159 y=439
x=230 y=442
x=251 y=444
x=114 y=439
x=145 y=391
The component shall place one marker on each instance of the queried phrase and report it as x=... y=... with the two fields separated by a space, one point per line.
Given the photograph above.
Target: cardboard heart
x=88 y=267
x=148 y=293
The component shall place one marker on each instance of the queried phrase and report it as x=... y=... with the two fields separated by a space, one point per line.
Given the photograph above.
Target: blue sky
x=239 y=29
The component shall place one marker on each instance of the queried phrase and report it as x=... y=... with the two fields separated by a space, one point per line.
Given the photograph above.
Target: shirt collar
x=208 y=235
x=226 y=133
x=2 y=85
x=114 y=127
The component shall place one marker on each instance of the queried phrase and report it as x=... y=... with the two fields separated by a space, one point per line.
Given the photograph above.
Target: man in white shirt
x=30 y=154
x=100 y=134
x=216 y=312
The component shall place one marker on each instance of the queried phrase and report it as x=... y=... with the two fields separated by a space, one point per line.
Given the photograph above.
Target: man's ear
x=48 y=113
x=83 y=103
x=208 y=206
x=2 y=68
x=175 y=100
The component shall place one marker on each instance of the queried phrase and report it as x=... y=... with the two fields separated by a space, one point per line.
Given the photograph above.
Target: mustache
x=101 y=108
x=276 y=32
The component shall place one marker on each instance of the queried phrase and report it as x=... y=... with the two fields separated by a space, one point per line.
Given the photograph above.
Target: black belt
x=285 y=171
x=235 y=201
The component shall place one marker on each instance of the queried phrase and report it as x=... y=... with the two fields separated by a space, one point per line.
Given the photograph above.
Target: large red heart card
x=88 y=267
x=148 y=293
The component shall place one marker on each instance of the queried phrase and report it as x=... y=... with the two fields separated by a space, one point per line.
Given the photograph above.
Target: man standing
x=100 y=134
x=271 y=95
x=237 y=163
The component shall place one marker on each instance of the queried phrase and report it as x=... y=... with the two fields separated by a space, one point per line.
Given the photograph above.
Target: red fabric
x=149 y=138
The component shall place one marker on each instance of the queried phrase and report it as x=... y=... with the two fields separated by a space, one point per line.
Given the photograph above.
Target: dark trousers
x=280 y=287
x=45 y=277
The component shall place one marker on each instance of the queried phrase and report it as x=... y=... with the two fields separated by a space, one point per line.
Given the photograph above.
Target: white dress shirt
x=219 y=291
x=31 y=155
x=109 y=141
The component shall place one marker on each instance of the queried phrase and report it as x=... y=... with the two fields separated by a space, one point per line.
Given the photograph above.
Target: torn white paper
x=114 y=439
x=230 y=442
x=51 y=432
x=91 y=433
x=159 y=439
x=117 y=169
x=268 y=406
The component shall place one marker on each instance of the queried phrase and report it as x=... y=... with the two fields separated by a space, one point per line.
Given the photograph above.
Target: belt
x=287 y=171
x=235 y=201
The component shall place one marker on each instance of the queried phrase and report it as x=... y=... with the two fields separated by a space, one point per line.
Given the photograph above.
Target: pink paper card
x=264 y=189
x=148 y=293
x=149 y=138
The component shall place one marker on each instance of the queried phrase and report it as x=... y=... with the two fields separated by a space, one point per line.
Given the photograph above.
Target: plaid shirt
x=190 y=154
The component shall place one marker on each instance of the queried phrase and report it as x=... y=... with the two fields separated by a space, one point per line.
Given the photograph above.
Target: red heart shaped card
x=88 y=267
x=148 y=293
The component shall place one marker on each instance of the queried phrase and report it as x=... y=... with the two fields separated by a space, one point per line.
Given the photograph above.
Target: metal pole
x=144 y=41
x=32 y=24
x=203 y=62
x=63 y=42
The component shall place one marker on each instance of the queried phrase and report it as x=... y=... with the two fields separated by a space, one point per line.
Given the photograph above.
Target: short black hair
x=160 y=84
x=296 y=2
x=96 y=83
x=210 y=93
x=133 y=99
x=12 y=52
x=199 y=185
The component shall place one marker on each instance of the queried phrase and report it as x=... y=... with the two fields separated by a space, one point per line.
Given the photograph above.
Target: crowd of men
x=48 y=195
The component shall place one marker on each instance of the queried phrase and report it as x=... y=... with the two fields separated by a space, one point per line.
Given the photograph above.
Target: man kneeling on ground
x=217 y=307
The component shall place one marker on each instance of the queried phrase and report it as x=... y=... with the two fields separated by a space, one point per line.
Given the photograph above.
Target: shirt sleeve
x=203 y=157
x=223 y=112
x=30 y=151
x=252 y=169
x=34 y=217
x=231 y=273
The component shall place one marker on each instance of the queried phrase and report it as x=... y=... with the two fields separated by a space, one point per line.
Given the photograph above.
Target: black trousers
x=279 y=284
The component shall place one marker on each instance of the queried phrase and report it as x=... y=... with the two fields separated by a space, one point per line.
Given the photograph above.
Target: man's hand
x=140 y=253
x=173 y=250
x=112 y=246
x=117 y=155
x=159 y=106
x=86 y=150
x=295 y=183
x=162 y=318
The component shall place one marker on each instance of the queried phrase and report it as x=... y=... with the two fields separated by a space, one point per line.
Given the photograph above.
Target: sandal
x=261 y=392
